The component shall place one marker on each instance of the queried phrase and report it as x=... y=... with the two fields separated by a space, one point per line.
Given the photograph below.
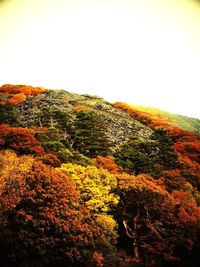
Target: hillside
x=84 y=182
x=184 y=122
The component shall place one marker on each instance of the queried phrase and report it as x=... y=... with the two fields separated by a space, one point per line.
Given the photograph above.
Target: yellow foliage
x=96 y=186
x=12 y=166
x=106 y=222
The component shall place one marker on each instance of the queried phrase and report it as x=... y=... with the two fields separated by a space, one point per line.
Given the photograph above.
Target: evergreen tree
x=8 y=114
x=90 y=138
x=138 y=156
x=167 y=158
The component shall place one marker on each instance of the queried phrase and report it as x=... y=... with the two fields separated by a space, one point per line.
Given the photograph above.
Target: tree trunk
x=132 y=233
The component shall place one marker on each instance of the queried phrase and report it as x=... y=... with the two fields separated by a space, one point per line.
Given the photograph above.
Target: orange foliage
x=20 y=139
x=26 y=90
x=189 y=149
x=40 y=129
x=188 y=210
x=81 y=108
x=191 y=169
x=18 y=93
x=151 y=120
x=107 y=163
x=4 y=130
x=17 y=98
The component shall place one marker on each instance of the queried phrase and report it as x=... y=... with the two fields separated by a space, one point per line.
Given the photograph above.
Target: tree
x=138 y=156
x=8 y=115
x=23 y=140
x=167 y=158
x=90 y=138
x=96 y=186
x=107 y=163
x=154 y=221
x=42 y=222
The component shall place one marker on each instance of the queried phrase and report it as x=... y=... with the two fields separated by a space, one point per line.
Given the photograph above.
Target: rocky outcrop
x=119 y=124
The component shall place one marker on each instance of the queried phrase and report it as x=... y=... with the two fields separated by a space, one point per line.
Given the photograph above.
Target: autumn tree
x=22 y=140
x=43 y=223
x=108 y=163
x=96 y=186
x=155 y=221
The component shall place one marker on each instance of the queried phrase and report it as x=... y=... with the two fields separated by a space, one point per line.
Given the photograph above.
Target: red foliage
x=107 y=163
x=20 y=139
x=188 y=211
x=4 y=130
x=189 y=149
x=44 y=225
x=51 y=159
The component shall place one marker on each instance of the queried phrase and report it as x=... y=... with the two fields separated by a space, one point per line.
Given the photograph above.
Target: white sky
x=138 y=51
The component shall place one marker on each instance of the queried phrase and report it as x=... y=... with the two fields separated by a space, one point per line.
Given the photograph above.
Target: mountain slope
x=119 y=124
x=184 y=122
x=84 y=182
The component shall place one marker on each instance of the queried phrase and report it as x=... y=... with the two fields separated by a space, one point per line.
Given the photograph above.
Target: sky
x=145 y=52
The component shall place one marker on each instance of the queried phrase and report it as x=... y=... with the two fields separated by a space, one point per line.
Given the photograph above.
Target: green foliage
x=8 y=114
x=90 y=138
x=67 y=156
x=187 y=123
x=58 y=122
x=137 y=156
x=166 y=156
x=41 y=136
x=148 y=157
x=53 y=146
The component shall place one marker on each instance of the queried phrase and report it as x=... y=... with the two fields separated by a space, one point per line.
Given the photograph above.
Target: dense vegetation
x=87 y=183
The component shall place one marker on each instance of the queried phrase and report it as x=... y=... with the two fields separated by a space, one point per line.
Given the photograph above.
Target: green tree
x=8 y=114
x=166 y=157
x=138 y=156
x=90 y=138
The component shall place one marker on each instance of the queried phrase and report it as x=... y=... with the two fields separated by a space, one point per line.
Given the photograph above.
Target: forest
x=84 y=182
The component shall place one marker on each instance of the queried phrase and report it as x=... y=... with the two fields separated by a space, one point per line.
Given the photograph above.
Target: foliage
x=95 y=185
x=152 y=219
x=8 y=115
x=73 y=156
x=20 y=139
x=107 y=163
x=68 y=199
x=157 y=118
x=41 y=223
x=18 y=93
x=137 y=157
x=90 y=138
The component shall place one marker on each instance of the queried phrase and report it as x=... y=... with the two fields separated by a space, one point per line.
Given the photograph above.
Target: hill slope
x=84 y=182
x=184 y=122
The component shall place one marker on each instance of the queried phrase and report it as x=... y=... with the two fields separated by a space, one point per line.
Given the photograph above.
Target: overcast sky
x=139 y=51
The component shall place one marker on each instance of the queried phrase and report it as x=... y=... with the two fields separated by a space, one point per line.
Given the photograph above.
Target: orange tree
x=43 y=224
x=154 y=224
